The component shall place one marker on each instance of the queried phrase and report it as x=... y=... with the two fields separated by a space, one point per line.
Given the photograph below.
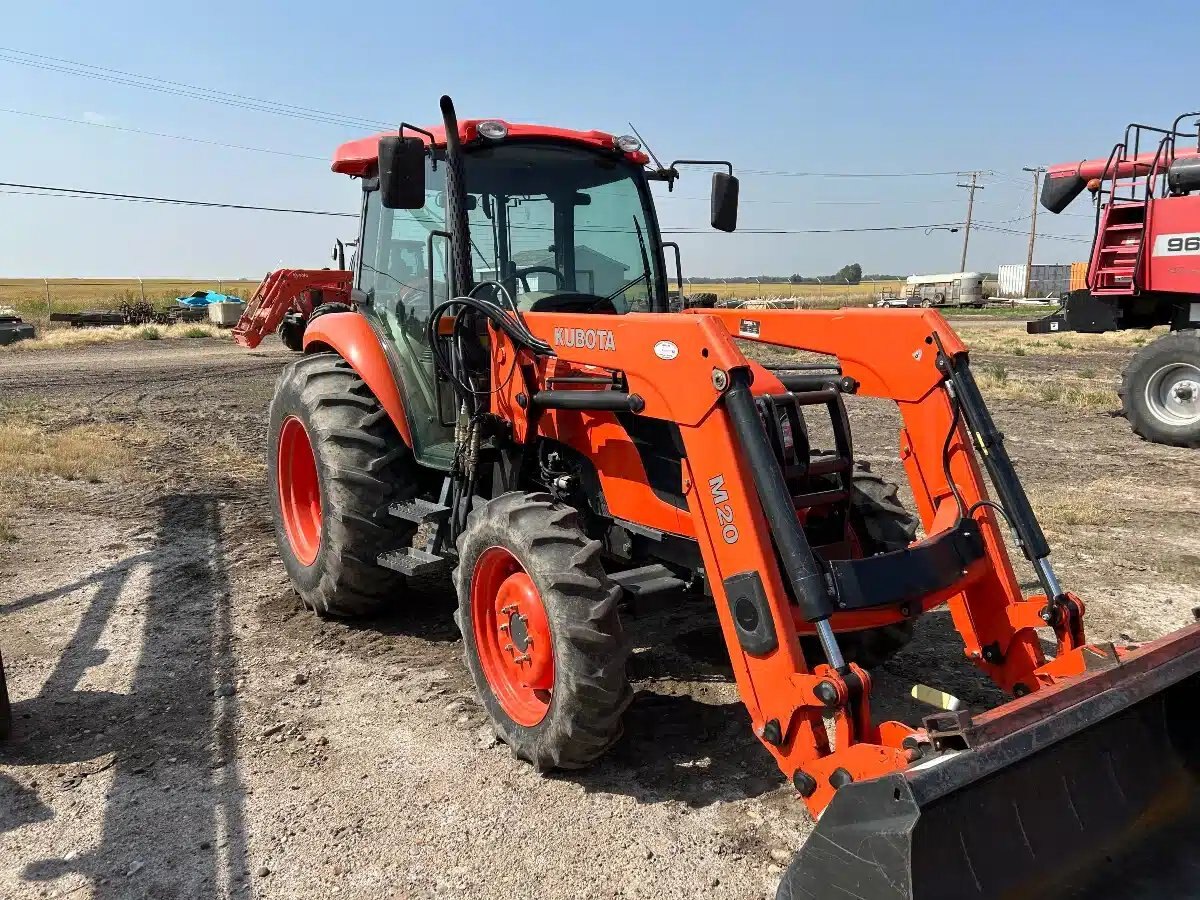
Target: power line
x=692 y=230
x=786 y=174
x=823 y=202
x=174 y=137
x=40 y=190
x=183 y=89
x=79 y=193
x=1077 y=239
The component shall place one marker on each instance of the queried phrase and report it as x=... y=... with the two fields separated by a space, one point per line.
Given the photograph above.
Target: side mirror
x=401 y=172
x=724 y=206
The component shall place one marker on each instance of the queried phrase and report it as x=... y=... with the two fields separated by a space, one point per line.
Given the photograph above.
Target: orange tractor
x=507 y=393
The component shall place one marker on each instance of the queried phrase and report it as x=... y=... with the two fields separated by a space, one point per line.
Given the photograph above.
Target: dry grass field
x=62 y=338
x=35 y=298
x=855 y=294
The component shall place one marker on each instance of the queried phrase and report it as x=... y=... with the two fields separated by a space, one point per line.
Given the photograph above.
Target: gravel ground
x=185 y=730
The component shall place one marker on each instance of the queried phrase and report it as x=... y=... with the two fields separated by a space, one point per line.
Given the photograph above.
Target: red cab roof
x=359 y=157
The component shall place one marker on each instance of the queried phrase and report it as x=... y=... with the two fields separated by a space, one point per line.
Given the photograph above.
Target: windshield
x=562 y=227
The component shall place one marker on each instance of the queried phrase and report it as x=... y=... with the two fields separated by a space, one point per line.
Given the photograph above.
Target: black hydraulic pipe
x=810 y=381
x=808 y=582
x=579 y=379
x=618 y=401
x=995 y=457
x=822 y=393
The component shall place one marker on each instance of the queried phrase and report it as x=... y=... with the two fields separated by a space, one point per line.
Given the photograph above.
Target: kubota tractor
x=508 y=395
x=1144 y=270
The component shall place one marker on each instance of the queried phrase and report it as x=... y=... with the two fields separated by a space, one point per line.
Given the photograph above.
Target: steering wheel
x=523 y=275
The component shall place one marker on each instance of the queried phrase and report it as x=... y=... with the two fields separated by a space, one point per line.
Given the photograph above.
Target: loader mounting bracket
x=905 y=576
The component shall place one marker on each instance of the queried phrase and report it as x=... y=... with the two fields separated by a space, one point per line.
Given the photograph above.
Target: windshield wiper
x=645 y=276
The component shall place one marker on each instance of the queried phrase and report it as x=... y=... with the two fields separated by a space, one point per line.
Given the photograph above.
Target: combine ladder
x=1117 y=256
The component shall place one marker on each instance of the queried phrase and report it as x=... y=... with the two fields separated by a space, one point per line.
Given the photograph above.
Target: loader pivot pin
x=512 y=635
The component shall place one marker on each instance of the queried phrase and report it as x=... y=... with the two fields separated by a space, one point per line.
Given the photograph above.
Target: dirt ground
x=185 y=730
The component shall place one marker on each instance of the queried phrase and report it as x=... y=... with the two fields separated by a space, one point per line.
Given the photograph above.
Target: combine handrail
x=1096 y=228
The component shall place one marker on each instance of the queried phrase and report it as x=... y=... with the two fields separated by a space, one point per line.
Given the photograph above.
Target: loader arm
x=701 y=385
x=1092 y=762
x=283 y=290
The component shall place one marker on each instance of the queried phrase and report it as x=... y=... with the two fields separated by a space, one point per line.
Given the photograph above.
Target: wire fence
x=37 y=299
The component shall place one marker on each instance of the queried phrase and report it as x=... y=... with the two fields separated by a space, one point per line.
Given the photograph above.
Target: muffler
x=1087 y=789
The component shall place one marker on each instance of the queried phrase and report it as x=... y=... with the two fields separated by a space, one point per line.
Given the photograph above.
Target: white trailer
x=949 y=289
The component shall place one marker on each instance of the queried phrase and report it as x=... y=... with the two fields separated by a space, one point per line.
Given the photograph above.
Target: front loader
x=510 y=398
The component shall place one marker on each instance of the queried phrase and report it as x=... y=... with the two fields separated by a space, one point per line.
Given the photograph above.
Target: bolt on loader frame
x=578 y=434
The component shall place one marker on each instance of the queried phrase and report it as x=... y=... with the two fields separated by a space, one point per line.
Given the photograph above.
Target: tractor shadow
x=687 y=736
x=172 y=821
x=416 y=632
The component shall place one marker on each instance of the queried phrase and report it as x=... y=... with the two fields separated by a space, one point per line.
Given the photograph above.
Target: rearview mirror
x=724 y=201
x=401 y=172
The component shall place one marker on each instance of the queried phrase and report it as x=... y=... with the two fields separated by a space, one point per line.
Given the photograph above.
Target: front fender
x=350 y=336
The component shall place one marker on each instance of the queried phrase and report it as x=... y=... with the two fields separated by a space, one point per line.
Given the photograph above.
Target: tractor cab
x=558 y=221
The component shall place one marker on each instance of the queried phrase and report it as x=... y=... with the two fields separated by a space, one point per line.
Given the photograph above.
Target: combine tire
x=881 y=524
x=540 y=631
x=1160 y=390
x=334 y=464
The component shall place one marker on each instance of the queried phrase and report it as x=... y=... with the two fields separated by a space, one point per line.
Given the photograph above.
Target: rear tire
x=331 y=307
x=576 y=715
x=330 y=544
x=881 y=524
x=1160 y=390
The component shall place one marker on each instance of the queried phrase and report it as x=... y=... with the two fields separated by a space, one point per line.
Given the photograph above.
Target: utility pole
x=1037 y=174
x=971 y=189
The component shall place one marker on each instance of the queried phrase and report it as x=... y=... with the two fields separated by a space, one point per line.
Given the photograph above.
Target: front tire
x=1160 y=390
x=541 y=635
x=335 y=463
x=292 y=335
x=880 y=524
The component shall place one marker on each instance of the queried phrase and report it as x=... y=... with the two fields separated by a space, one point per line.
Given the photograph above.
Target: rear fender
x=349 y=335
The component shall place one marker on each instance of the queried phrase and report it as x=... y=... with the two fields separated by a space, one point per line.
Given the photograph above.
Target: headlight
x=493 y=130
x=627 y=143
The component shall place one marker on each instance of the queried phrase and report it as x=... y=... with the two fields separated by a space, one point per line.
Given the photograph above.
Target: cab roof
x=358 y=158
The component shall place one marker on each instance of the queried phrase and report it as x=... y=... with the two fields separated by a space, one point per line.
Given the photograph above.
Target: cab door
x=401 y=277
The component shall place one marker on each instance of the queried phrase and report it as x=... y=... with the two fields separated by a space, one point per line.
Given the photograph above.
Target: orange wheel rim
x=512 y=636
x=299 y=491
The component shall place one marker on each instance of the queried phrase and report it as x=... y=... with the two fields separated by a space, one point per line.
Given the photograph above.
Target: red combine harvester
x=1144 y=270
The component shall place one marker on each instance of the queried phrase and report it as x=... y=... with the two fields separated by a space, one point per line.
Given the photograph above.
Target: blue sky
x=867 y=87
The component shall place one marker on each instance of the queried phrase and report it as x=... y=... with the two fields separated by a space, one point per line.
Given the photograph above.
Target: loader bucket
x=1087 y=790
